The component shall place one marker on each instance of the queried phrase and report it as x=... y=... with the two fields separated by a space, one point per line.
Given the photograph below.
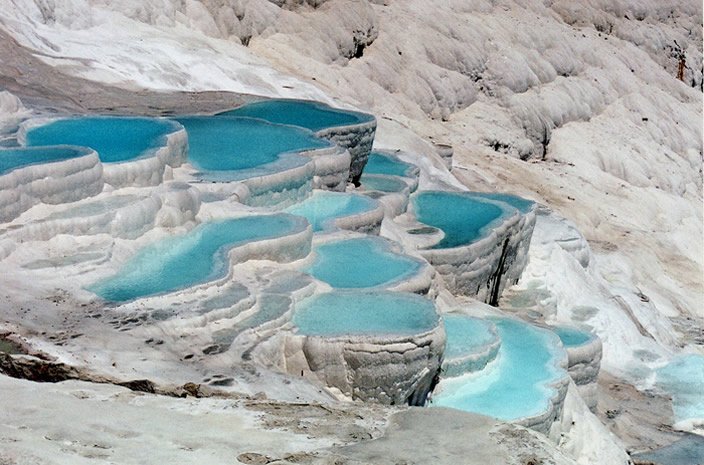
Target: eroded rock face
x=357 y=139
x=584 y=362
x=391 y=370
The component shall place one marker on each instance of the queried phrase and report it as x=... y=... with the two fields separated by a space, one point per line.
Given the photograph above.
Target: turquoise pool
x=462 y=217
x=237 y=144
x=516 y=385
x=11 y=159
x=365 y=313
x=381 y=163
x=307 y=114
x=322 y=208
x=116 y=139
x=572 y=337
x=359 y=263
x=519 y=203
x=193 y=258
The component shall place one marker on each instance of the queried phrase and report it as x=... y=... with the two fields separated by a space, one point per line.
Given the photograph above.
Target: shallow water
x=519 y=203
x=683 y=378
x=322 y=208
x=232 y=144
x=380 y=163
x=193 y=258
x=466 y=334
x=572 y=337
x=365 y=313
x=116 y=139
x=359 y=263
x=11 y=159
x=310 y=115
x=463 y=218
x=516 y=384
x=382 y=183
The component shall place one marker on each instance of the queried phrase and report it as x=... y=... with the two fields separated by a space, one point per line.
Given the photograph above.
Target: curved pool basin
x=303 y=113
x=466 y=334
x=228 y=144
x=371 y=313
x=361 y=262
x=383 y=183
x=461 y=216
x=683 y=379
x=14 y=158
x=519 y=384
x=382 y=163
x=116 y=139
x=323 y=208
x=194 y=258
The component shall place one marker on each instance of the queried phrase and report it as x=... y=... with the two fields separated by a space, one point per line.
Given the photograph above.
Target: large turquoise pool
x=322 y=208
x=365 y=313
x=116 y=139
x=236 y=144
x=359 y=263
x=462 y=217
x=190 y=259
x=516 y=385
x=381 y=163
x=310 y=115
x=383 y=183
x=11 y=159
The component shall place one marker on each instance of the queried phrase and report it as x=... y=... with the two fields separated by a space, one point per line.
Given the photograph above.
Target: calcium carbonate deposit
x=351 y=232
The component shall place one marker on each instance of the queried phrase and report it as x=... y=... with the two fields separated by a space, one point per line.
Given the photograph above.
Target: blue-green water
x=519 y=203
x=466 y=334
x=310 y=115
x=462 y=217
x=359 y=263
x=381 y=163
x=11 y=159
x=572 y=337
x=322 y=208
x=683 y=378
x=115 y=139
x=383 y=183
x=232 y=144
x=193 y=258
x=516 y=385
x=687 y=451
x=365 y=313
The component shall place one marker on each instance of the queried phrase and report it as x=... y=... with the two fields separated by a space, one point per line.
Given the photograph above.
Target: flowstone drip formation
x=272 y=234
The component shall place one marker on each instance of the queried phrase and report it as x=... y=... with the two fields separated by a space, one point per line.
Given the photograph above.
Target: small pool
x=383 y=183
x=471 y=344
x=242 y=144
x=368 y=313
x=382 y=163
x=307 y=114
x=322 y=208
x=517 y=384
x=116 y=139
x=519 y=203
x=683 y=378
x=461 y=216
x=361 y=262
x=572 y=337
x=193 y=258
x=11 y=159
